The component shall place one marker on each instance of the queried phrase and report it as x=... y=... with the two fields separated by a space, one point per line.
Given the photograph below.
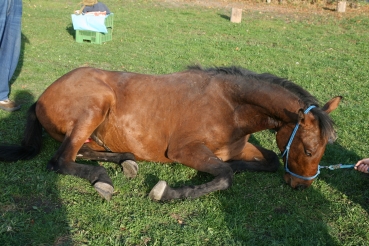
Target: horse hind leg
x=63 y=162
x=202 y=159
x=126 y=160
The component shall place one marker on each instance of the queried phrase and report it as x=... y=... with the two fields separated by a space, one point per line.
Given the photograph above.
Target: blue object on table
x=89 y=23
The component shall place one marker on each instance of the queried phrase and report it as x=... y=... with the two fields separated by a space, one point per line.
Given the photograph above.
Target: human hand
x=362 y=165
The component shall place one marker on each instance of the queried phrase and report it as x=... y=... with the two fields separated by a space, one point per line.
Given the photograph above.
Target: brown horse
x=201 y=118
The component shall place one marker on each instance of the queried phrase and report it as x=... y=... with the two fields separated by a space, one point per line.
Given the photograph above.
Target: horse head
x=303 y=143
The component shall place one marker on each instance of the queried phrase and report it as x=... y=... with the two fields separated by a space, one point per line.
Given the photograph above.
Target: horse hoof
x=158 y=191
x=105 y=190
x=130 y=169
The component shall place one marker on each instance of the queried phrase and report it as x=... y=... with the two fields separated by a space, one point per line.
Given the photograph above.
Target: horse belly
x=124 y=132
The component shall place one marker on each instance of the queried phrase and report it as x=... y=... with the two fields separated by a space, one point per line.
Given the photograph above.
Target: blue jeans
x=10 y=42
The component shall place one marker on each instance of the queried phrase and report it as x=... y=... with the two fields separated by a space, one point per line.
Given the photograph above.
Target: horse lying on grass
x=201 y=118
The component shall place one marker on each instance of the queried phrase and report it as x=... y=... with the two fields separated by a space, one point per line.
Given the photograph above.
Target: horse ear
x=332 y=104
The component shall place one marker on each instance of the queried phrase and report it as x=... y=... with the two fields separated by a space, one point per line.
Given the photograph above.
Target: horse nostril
x=287 y=179
x=300 y=187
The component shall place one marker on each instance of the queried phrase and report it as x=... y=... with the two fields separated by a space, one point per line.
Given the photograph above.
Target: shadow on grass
x=71 y=30
x=260 y=205
x=357 y=191
x=330 y=9
x=226 y=17
x=30 y=206
x=31 y=214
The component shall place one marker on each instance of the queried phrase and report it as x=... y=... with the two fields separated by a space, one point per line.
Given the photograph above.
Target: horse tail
x=31 y=143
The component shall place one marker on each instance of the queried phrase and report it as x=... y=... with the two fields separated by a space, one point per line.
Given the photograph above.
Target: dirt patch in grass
x=285 y=8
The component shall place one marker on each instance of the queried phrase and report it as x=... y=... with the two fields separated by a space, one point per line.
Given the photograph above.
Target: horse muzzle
x=296 y=183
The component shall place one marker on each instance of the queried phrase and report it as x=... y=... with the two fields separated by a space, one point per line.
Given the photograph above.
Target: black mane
x=325 y=122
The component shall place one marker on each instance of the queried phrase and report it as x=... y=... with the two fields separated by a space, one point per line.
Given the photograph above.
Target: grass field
x=325 y=52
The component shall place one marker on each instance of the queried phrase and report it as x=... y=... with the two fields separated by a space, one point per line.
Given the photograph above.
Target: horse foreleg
x=126 y=160
x=202 y=159
x=254 y=158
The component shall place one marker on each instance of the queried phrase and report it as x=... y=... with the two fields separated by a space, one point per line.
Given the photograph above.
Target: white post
x=236 y=15
x=341 y=6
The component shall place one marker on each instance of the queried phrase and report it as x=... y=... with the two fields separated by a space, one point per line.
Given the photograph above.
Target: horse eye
x=307 y=152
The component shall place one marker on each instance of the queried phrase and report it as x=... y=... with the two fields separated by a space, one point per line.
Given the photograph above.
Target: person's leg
x=10 y=45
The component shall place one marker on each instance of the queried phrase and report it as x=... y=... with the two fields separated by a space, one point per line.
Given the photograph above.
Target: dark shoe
x=9 y=105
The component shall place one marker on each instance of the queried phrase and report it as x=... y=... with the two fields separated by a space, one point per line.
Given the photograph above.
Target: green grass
x=326 y=54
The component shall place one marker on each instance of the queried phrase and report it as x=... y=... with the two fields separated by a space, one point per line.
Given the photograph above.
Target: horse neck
x=273 y=105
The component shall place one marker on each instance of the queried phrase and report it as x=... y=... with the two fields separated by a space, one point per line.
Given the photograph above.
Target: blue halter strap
x=287 y=150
